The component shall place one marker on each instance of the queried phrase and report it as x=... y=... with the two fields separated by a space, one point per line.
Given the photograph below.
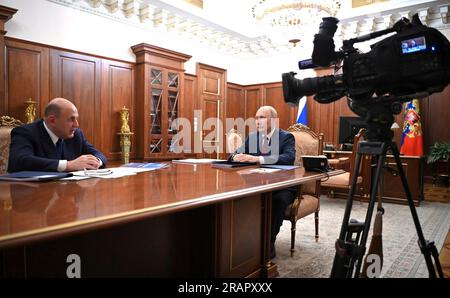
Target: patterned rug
x=402 y=257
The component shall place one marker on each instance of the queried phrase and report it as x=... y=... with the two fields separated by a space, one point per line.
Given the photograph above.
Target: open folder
x=34 y=176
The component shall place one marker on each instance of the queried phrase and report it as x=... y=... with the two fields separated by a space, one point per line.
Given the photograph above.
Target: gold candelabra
x=125 y=135
x=30 y=111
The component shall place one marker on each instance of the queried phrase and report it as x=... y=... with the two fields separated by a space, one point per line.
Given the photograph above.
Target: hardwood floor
x=436 y=193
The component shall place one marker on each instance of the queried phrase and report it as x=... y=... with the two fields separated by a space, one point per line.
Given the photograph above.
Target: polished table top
x=40 y=210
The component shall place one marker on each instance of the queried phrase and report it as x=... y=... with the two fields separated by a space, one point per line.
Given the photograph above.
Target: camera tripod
x=351 y=245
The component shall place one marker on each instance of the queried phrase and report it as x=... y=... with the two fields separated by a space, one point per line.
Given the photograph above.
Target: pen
x=85 y=172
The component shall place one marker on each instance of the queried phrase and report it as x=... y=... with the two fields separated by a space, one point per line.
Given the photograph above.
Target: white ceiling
x=228 y=26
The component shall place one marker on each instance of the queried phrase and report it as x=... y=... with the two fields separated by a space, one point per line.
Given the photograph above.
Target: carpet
x=402 y=256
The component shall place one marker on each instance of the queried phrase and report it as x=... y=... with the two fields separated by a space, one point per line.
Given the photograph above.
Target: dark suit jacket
x=282 y=147
x=32 y=149
x=283 y=154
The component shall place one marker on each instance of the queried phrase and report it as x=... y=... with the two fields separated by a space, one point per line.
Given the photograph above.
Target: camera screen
x=414 y=45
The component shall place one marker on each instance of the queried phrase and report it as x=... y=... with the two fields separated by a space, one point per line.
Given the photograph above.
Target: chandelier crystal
x=284 y=21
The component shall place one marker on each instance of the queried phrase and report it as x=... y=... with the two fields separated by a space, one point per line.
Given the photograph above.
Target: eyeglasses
x=101 y=172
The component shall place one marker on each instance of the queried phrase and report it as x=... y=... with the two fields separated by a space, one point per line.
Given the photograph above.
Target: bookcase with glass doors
x=159 y=90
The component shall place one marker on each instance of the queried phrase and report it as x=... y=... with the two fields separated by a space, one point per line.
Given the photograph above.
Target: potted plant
x=440 y=153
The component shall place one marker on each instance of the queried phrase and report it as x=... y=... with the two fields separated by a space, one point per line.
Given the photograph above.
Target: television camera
x=412 y=63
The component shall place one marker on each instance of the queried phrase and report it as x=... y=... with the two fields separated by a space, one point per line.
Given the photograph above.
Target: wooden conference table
x=181 y=221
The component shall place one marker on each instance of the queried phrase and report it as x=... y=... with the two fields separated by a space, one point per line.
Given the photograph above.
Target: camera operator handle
x=349 y=43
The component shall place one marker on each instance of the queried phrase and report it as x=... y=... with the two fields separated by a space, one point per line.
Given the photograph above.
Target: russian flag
x=412 y=139
x=302 y=111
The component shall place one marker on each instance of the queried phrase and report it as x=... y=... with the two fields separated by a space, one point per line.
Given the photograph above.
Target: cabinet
x=392 y=191
x=159 y=91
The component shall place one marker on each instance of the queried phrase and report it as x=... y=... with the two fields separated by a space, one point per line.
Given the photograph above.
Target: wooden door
x=211 y=88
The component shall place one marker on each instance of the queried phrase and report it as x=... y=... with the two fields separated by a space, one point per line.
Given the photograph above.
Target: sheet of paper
x=264 y=170
x=76 y=178
x=111 y=174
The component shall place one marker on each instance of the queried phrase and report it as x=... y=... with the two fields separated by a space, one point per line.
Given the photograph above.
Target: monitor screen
x=349 y=128
x=414 y=45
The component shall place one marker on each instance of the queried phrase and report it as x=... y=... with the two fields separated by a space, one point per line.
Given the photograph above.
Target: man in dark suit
x=54 y=143
x=270 y=145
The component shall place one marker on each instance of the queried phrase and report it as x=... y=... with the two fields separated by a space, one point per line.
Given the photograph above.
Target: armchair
x=339 y=185
x=6 y=126
x=234 y=140
x=308 y=198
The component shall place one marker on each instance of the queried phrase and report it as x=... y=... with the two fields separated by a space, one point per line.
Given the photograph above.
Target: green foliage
x=439 y=151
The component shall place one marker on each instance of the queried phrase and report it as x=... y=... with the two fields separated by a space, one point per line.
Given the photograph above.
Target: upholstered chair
x=308 y=198
x=339 y=185
x=6 y=125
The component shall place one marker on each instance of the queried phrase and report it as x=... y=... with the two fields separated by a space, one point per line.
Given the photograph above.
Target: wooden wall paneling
x=323 y=116
x=253 y=100
x=273 y=96
x=141 y=136
x=27 y=76
x=76 y=77
x=341 y=108
x=235 y=103
x=211 y=109
x=211 y=96
x=313 y=113
x=435 y=112
x=6 y=13
x=436 y=117
x=188 y=106
x=117 y=91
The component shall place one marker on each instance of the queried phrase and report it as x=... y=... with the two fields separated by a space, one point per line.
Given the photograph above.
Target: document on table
x=138 y=167
x=196 y=160
x=109 y=173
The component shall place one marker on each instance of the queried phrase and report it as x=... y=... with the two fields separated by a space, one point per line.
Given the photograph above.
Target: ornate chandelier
x=284 y=21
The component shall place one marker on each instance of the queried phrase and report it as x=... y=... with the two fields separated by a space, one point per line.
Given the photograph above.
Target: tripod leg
x=341 y=261
x=373 y=197
x=426 y=247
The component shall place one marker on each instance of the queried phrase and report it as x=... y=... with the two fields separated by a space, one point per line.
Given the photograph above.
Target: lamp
x=292 y=20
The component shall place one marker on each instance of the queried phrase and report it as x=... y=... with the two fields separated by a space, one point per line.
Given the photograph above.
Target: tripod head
x=378 y=113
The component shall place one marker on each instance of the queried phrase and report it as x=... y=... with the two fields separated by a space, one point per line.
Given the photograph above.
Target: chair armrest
x=342 y=163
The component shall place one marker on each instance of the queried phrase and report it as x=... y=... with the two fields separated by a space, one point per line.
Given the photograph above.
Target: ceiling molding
x=161 y=16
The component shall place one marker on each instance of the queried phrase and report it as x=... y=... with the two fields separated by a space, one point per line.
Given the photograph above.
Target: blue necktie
x=59 y=149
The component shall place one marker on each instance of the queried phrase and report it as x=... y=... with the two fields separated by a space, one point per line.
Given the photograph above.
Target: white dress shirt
x=62 y=164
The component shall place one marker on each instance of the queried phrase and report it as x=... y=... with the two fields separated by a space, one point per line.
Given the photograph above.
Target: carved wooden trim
x=6 y=13
x=9 y=121
x=144 y=48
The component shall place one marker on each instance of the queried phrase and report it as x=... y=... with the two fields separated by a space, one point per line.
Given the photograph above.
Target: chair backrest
x=6 y=125
x=358 y=138
x=234 y=140
x=307 y=142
